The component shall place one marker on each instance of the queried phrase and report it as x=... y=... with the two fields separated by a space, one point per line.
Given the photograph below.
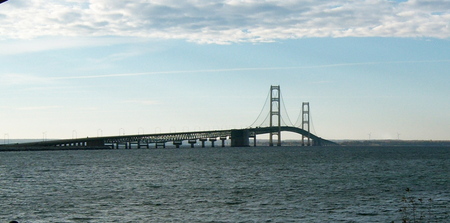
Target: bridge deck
x=169 y=137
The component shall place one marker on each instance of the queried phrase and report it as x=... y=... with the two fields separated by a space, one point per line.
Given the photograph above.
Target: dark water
x=287 y=184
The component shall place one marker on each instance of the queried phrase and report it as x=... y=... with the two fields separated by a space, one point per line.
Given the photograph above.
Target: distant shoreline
x=392 y=142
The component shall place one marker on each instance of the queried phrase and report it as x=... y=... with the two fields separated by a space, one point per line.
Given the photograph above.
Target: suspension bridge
x=238 y=137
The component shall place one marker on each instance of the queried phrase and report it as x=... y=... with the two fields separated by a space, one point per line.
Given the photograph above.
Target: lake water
x=262 y=184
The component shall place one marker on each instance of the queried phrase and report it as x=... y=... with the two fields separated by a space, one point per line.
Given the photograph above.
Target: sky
x=370 y=69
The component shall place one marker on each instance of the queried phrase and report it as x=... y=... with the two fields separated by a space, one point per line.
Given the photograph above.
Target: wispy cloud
x=243 y=69
x=25 y=79
x=22 y=79
x=39 y=108
x=18 y=46
x=225 y=21
x=143 y=102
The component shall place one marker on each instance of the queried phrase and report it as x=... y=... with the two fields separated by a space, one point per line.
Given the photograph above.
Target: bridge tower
x=275 y=111
x=305 y=123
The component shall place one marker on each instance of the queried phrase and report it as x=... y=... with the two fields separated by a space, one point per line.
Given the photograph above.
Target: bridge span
x=238 y=138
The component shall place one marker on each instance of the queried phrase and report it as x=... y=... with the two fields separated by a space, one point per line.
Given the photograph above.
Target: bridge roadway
x=239 y=137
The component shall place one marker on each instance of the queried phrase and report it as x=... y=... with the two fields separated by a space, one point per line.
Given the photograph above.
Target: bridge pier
x=212 y=140
x=121 y=143
x=223 y=138
x=177 y=143
x=203 y=140
x=240 y=138
x=145 y=145
x=135 y=143
x=253 y=135
x=192 y=142
x=160 y=144
x=316 y=142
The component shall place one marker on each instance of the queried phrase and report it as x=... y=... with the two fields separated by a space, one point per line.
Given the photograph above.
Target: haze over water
x=262 y=184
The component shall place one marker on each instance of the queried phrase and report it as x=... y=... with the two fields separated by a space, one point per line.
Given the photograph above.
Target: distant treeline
x=392 y=143
x=264 y=142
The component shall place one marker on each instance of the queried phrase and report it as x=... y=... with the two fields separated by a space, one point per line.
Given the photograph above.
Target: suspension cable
x=285 y=110
x=298 y=118
x=265 y=103
x=268 y=114
x=284 y=121
x=312 y=124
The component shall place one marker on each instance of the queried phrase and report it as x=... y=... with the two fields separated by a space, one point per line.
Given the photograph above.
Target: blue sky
x=100 y=67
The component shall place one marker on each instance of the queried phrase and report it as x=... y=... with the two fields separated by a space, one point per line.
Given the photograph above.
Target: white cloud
x=224 y=21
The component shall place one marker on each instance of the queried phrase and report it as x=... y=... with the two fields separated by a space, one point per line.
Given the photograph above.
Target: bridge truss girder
x=171 y=137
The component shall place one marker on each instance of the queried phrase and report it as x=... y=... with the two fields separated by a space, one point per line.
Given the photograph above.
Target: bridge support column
x=223 y=140
x=160 y=144
x=240 y=138
x=317 y=142
x=140 y=145
x=130 y=144
x=123 y=143
x=177 y=143
x=203 y=140
x=253 y=135
x=212 y=140
x=192 y=142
